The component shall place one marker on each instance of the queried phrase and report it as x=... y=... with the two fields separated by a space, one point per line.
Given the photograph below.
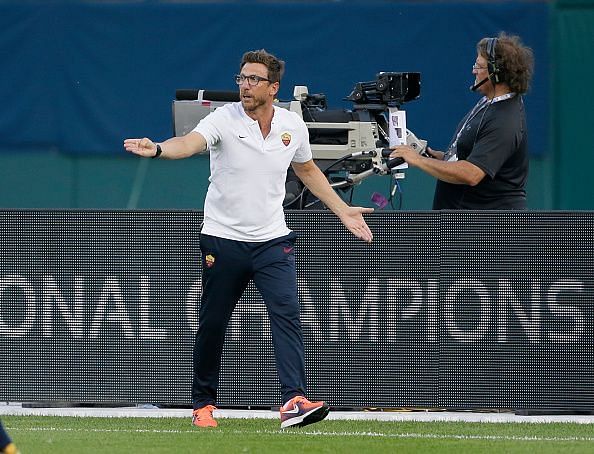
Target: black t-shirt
x=500 y=149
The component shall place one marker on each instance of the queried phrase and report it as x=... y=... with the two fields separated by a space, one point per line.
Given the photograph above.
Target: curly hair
x=276 y=67
x=514 y=60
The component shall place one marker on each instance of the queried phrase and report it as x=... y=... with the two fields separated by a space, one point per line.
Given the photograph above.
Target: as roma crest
x=286 y=138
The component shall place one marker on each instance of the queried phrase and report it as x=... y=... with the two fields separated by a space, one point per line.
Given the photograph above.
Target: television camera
x=347 y=145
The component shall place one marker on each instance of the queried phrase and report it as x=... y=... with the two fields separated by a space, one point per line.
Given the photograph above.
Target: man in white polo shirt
x=244 y=236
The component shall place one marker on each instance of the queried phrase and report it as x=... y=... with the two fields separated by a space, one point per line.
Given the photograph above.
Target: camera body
x=333 y=133
x=389 y=88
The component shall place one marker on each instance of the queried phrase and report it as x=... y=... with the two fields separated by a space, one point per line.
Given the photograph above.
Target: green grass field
x=37 y=434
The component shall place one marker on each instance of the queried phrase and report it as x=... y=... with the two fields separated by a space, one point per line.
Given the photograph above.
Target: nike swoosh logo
x=294 y=410
x=242 y=137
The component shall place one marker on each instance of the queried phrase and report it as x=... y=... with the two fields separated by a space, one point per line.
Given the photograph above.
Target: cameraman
x=486 y=164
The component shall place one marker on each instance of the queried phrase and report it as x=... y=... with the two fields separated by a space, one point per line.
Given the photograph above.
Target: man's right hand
x=142 y=147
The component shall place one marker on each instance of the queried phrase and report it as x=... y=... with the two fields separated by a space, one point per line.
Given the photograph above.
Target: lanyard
x=483 y=103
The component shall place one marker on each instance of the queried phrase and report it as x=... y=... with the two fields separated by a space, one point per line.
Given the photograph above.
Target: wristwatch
x=159 y=151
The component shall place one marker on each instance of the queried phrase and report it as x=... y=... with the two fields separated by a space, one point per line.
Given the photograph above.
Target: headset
x=492 y=67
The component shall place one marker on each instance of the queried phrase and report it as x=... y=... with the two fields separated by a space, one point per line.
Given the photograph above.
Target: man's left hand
x=352 y=218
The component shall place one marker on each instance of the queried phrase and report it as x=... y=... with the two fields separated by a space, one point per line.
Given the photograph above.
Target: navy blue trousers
x=4 y=438
x=228 y=266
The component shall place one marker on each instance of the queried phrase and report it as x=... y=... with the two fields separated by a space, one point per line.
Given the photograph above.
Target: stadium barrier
x=452 y=309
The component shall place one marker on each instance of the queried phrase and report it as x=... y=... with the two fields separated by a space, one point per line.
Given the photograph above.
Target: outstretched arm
x=458 y=172
x=174 y=148
x=352 y=217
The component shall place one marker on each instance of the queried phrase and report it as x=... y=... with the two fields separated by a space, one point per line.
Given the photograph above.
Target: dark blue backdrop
x=82 y=77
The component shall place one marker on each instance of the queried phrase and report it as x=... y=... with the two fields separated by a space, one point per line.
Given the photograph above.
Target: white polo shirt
x=248 y=172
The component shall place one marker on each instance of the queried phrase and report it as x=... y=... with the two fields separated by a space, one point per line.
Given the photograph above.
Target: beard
x=252 y=101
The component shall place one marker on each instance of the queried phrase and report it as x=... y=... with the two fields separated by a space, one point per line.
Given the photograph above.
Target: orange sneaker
x=300 y=412
x=202 y=417
x=10 y=448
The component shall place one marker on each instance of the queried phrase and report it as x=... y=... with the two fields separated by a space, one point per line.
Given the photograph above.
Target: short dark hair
x=514 y=60
x=276 y=67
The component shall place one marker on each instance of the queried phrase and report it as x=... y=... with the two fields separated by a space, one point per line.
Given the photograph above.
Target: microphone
x=475 y=86
x=193 y=94
x=186 y=94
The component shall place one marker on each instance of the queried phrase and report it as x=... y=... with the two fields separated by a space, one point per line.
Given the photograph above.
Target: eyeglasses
x=476 y=67
x=253 y=80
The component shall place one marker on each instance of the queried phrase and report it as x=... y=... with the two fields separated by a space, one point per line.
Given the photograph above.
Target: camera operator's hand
x=411 y=156
x=142 y=147
x=408 y=153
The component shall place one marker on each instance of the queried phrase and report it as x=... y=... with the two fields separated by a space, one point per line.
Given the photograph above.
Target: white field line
x=317 y=433
x=420 y=416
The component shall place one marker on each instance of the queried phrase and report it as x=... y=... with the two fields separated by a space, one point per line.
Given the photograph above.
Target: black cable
x=393 y=185
x=299 y=197
x=327 y=175
x=350 y=202
x=390 y=187
x=338 y=161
